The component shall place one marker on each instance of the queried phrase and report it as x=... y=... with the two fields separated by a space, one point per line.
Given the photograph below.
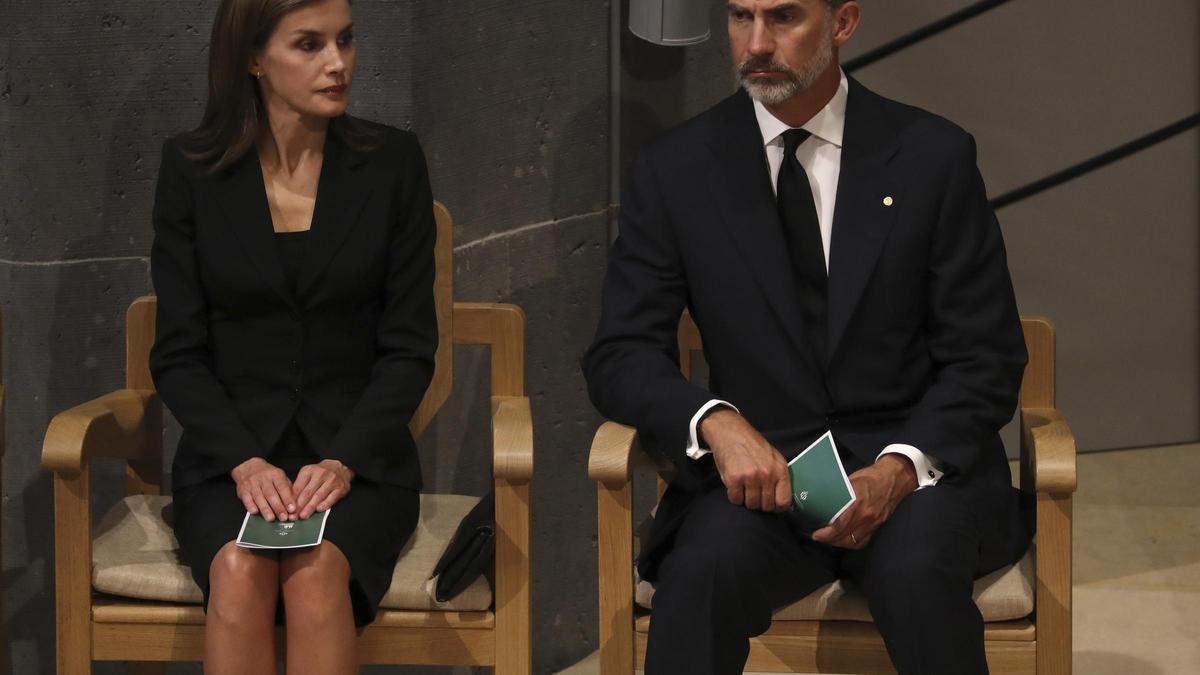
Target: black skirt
x=370 y=525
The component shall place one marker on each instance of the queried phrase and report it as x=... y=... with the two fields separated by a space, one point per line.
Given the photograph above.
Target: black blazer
x=925 y=343
x=237 y=357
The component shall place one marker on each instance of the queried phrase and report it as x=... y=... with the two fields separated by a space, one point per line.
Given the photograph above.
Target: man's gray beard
x=774 y=93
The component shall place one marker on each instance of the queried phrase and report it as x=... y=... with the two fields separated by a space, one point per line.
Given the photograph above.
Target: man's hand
x=879 y=489
x=264 y=488
x=753 y=471
x=321 y=485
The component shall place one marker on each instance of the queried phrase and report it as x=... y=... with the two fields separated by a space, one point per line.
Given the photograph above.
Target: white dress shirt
x=821 y=156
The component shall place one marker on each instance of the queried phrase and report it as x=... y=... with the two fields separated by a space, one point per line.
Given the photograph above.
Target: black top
x=292 y=450
x=290 y=246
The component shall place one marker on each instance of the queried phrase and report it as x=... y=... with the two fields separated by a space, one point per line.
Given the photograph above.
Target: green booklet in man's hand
x=258 y=533
x=821 y=490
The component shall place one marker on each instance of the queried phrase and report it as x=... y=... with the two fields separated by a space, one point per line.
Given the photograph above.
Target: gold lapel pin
x=888 y=201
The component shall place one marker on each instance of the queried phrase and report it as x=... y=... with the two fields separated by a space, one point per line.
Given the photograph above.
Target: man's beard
x=776 y=91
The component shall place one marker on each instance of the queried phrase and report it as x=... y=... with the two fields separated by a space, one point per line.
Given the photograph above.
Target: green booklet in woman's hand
x=821 y=490
x=258 y=533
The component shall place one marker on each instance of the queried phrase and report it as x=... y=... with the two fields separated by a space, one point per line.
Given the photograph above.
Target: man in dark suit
x=838 y=253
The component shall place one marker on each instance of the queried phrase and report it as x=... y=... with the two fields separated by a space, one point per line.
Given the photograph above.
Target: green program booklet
x=821 y=490
x=258 y=533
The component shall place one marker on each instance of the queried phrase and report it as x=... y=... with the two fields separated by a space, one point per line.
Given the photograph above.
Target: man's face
x=780 y=47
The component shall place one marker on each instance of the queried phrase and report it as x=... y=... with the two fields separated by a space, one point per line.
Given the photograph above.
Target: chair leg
x=615 y=523
x=512 y=579
x=72 y=579
x=1053 y=605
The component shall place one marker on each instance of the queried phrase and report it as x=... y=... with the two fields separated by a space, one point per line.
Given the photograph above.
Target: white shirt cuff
x=694 y=451
x=928 y=472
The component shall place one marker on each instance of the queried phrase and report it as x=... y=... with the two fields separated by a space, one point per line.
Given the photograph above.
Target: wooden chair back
x=145 y=476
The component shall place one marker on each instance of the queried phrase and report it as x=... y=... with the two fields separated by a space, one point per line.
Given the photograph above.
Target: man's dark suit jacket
x=237 y=356
x=924 y=340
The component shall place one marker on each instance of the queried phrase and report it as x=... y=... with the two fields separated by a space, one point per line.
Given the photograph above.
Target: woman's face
x=308 y=62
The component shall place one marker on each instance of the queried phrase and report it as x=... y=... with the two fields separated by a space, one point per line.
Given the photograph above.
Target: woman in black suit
x=293 y=262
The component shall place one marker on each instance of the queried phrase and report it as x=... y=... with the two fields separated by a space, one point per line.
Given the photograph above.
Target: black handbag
x=470 y=551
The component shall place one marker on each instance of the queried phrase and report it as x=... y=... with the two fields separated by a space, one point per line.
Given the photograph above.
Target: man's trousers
x=730 y=568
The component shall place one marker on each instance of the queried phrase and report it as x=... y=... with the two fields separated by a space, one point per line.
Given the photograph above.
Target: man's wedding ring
x=853 y=539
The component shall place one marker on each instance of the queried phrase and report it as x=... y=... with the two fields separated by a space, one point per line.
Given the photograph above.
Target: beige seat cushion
x=135 y=556
x=1003 y=595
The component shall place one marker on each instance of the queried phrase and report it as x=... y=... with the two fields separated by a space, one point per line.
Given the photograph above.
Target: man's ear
x=845 y=22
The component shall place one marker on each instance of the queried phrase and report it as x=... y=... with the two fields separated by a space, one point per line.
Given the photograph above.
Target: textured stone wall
x=510 y=102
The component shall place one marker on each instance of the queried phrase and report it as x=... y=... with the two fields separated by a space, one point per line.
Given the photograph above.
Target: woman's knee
x=243 y=585
x=313 y=582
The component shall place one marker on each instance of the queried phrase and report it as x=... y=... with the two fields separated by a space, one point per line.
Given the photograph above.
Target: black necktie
x=802 y=230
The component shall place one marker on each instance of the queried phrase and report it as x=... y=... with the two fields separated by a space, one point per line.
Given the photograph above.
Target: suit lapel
x=341 y=195
x=242 y=196
x=740 y=180
x=863 y=214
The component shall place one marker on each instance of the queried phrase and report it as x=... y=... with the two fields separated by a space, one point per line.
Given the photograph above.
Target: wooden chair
x=824 y=640
x=127 y=425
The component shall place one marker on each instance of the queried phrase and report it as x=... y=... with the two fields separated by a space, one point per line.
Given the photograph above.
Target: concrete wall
x=511 y=102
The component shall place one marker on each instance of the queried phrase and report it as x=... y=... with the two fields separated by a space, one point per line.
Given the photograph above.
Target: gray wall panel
x=1112 y=259
x=1044 y=85
x=886 y=20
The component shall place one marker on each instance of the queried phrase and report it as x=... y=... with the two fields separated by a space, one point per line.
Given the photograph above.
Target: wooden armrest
x=119 y=424
x=512 y=439
x=1049 y=450
x=616 y=449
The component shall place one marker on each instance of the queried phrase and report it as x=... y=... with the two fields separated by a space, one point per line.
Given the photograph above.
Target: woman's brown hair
x=234 y=115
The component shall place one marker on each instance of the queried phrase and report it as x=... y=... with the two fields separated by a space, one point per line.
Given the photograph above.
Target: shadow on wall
x=553 y=271
x=85 y=341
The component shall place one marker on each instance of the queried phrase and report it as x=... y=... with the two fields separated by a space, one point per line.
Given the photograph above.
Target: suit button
x=294 y=394
x=294 y=365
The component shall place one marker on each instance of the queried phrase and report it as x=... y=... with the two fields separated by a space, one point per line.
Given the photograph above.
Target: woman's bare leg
x=239 y=630
x=320 y=619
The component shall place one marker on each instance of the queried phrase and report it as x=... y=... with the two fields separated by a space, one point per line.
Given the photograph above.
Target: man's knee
x=929 y=549
x=722 y=580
